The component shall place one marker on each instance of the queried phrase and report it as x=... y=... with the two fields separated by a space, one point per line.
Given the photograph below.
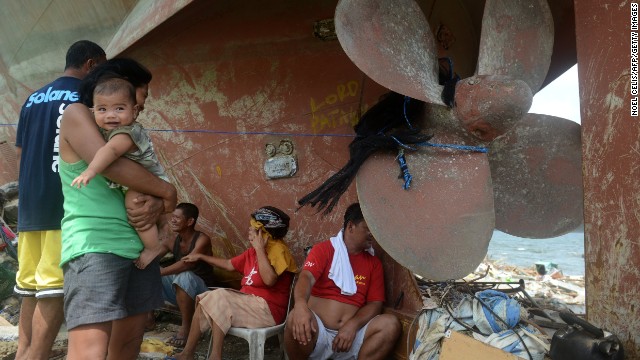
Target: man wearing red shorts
x=338 y=299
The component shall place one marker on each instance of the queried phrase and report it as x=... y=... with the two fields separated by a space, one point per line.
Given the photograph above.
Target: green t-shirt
x=95 y=219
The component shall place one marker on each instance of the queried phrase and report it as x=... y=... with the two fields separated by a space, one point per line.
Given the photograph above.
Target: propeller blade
x=516 y=40
x=488 y=106
x=536 y=169
x=392 y=43
x=440 y=228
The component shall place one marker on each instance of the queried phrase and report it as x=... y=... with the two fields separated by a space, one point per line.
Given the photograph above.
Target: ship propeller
x=528 y=185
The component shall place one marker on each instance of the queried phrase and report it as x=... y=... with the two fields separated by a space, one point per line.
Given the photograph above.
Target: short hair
x=190 y=211
x=113 y=85
x=128 y=69
x=353 y=214
x=82 y=51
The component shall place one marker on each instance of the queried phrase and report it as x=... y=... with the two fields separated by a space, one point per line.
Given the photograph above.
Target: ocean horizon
x=567 y=251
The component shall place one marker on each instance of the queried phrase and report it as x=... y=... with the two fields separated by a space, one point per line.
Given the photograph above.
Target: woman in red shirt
x=268 y=269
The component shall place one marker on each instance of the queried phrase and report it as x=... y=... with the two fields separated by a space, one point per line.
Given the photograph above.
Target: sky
x=560 y=98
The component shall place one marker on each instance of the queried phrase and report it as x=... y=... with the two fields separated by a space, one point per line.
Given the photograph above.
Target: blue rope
x=405 y=169
x=219 y=132
x=402 y=145
x=406 y=118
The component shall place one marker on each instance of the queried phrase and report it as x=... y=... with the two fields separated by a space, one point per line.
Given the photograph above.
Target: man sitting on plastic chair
x=268 y=269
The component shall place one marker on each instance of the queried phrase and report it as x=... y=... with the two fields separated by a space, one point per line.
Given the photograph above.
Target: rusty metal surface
x=143 y=18
x=39 y=31
x=406 y=62
x=489 y=105
x=401 y=290
x=217 y=101
x=537 y=174
x=516 y=40
x=610 y=138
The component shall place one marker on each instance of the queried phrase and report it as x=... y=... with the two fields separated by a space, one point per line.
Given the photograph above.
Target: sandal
x=177 y=341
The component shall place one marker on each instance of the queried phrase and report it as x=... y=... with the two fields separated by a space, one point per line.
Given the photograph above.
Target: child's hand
x=83 y=179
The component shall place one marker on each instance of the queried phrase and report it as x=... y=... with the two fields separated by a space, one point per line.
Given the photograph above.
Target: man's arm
x=301 y=317
x=222 y=263
x=181 y=266
x=82 y=134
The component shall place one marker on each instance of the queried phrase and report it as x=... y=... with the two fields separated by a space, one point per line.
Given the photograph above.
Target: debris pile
x=537 y=295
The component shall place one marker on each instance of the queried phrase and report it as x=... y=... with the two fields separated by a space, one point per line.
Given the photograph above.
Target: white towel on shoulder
x=340 y=271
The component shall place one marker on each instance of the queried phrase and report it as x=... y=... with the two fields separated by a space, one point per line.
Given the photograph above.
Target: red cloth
x=367 y=270
x=277 y=296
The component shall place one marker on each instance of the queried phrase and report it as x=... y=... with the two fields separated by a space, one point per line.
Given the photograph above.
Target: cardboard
x=462 y=347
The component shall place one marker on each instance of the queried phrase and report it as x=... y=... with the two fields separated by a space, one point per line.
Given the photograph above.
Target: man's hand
x=146 y=215
x=343 y=341
x=192 y=257
x=301 y=319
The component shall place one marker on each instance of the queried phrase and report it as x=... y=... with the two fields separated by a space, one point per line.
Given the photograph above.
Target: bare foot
x=145 y=258
x=183 y=356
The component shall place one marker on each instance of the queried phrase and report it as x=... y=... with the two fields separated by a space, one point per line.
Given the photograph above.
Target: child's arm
x=117 y=146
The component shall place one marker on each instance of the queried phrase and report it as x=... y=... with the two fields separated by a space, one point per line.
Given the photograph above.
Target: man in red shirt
x=339 y=297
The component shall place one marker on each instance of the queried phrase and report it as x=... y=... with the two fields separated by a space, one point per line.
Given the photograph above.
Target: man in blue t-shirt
x=39 y=279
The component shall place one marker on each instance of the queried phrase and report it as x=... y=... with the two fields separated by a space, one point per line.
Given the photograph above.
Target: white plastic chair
x=257 y=337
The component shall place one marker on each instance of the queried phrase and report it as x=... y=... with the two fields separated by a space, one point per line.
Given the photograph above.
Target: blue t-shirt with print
x=40 y=193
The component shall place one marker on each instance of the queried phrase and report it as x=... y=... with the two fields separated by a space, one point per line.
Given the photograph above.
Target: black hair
x=82 y=51
x=124 y=68
x=190 y=211
x=382 y=128
x=109 y=86
x=281 y=232
x=353 y=215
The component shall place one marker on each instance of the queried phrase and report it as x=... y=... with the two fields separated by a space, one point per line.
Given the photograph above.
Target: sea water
x=567 y=251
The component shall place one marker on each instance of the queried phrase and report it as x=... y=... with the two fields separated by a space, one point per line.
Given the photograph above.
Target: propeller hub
x=487 y=106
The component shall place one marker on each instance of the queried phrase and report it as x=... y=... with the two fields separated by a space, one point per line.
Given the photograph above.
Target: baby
x=115 y=112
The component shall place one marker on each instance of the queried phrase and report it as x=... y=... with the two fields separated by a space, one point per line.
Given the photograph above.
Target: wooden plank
x=408 y=333
x=462 y=347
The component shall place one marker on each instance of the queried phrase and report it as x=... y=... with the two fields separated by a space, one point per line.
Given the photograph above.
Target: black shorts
x=106 y=287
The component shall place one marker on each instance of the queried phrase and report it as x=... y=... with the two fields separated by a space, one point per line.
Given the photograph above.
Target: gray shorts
x=188 y=281
x=323 y=350
x=106 y=287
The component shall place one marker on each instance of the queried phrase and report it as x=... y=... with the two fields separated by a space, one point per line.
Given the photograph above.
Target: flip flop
x=177 y=341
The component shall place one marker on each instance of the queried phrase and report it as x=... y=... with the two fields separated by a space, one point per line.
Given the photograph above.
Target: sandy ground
x=550 y=293
x=234 y=348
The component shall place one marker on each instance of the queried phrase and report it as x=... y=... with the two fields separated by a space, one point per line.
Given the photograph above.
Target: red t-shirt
x=367 y=271
x=277 y=296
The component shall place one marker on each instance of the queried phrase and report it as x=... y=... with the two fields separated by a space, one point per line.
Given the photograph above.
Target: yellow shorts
x=39 y=273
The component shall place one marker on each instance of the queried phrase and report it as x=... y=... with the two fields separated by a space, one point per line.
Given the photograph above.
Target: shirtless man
x=326 y=321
